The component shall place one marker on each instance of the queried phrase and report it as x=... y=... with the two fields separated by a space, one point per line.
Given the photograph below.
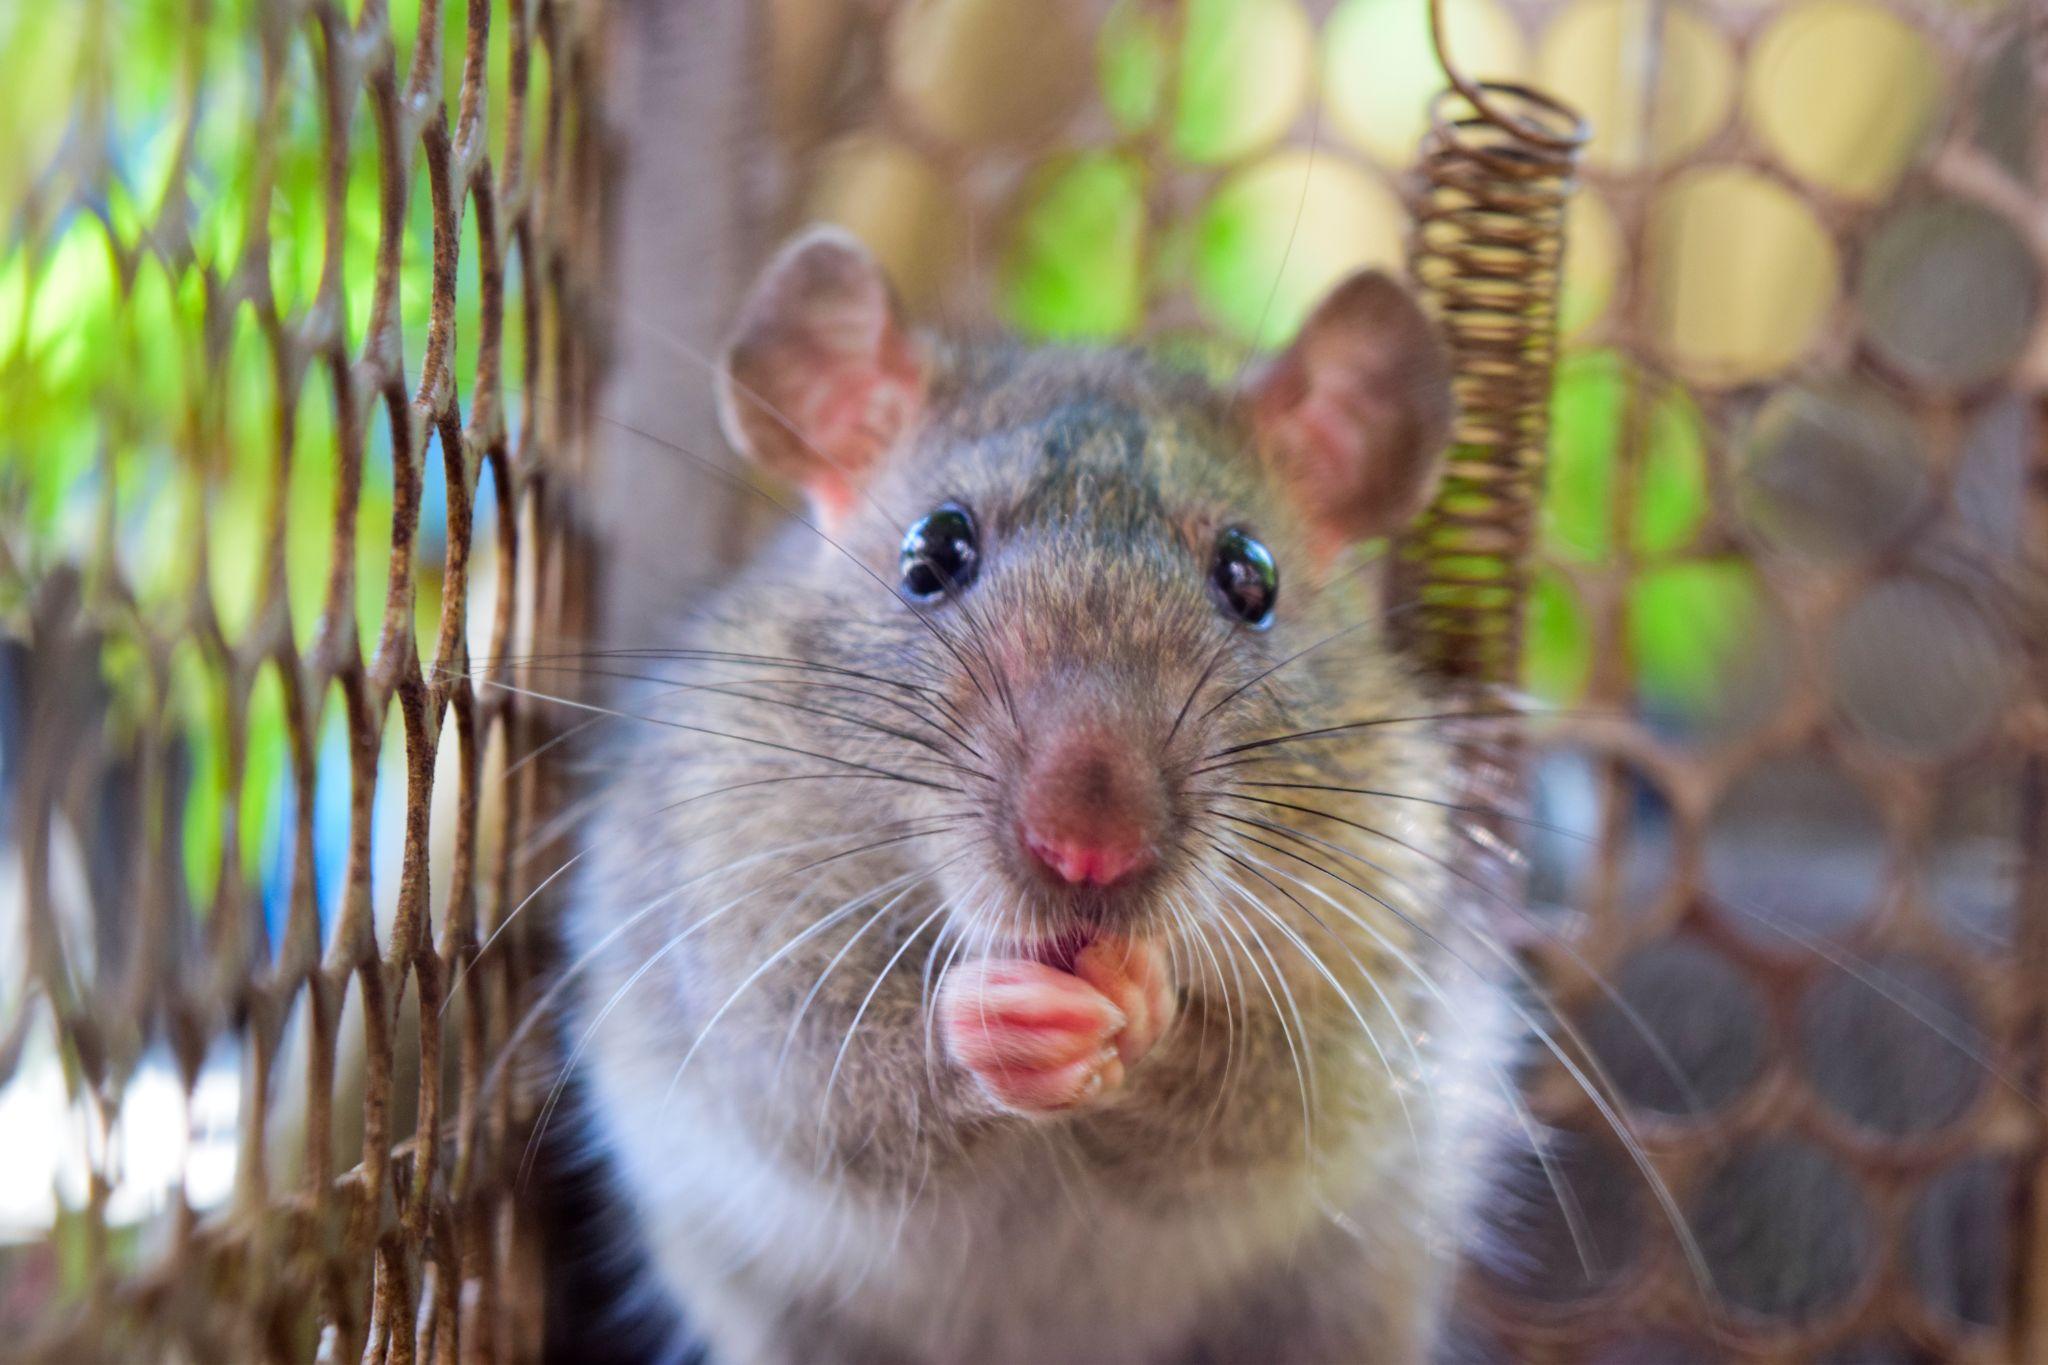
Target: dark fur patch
x=1111 y=432
x=602 y=1306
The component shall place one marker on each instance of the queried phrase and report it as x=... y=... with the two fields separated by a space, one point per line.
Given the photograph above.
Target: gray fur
x=857 y=1198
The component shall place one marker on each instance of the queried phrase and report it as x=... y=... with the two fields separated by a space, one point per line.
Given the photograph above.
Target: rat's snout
x=1091 y=805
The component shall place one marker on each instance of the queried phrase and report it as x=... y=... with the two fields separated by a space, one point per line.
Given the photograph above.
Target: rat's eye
x=1244 y=578
x=940 y=553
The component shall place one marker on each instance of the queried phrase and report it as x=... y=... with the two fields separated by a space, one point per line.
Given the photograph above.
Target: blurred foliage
x=1558 y=658
x=145 y=412
x=157 y=413
x=1076 y=269
x=1210 y=82
x=1598 y=399
x=1234 y=78
x=1686 y=621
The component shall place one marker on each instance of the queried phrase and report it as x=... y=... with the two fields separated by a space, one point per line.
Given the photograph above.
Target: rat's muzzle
x=1091 y=808
x=1090 y=800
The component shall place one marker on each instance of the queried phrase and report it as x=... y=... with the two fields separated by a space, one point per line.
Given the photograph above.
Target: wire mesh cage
x=301 y=367
x=297 y=367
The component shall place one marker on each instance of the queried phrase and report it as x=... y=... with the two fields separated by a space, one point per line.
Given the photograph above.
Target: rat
x=1016 y=925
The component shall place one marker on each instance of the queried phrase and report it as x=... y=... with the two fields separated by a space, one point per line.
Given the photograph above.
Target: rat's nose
x=1087 y=864
x=1091 y=808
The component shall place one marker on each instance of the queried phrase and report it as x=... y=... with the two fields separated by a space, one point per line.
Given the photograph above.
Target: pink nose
x=1090 y=808
x=1087 y=863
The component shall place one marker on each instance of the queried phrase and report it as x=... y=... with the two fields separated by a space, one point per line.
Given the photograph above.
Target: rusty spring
x=1496 y=171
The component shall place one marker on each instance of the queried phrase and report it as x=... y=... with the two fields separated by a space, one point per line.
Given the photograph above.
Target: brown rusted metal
x=1494 y=176
x=413 y=1247
x=372 y=1217
x=1497 y=170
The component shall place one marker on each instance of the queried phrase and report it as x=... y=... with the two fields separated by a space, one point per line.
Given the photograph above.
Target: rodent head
x=1101 y=568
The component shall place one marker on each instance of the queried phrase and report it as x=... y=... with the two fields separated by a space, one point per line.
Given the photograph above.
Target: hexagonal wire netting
x=1786 y=877
x=296 y=363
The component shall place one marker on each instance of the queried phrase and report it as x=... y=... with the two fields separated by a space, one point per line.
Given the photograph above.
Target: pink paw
x=1134 y=977
x=1040 y=1039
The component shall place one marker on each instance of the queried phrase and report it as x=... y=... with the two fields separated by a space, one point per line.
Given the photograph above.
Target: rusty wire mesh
x=1868 y=472
x=1854 y=1131
x=360 y=280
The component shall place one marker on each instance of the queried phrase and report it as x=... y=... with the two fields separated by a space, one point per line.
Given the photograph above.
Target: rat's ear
x=1354 y=415
x=821 y=377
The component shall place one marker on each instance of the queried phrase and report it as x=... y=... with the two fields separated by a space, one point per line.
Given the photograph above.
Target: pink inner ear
x=1326 y=431
x=850 y=418
x=1313 y=423
x=1352 y=417
x=853 y=413
x=823 y=377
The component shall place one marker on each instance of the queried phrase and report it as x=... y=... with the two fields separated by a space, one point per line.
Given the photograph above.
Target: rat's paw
x=1133 y=975
x=1038 y=1039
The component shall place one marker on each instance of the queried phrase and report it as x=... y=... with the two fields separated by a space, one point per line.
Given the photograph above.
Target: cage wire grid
x=418 y=1251
x=366 y=1016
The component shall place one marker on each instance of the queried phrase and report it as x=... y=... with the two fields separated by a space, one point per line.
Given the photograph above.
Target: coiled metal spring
x=1496 y=171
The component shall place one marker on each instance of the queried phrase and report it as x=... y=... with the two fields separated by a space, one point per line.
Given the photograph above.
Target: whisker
x=557 y=741
x=698 y=655
x=1230 y=1041
x=1301 y=1079
x=723 y=790
x=1441 y=803
x=1599 y=1098
x=462 y=967
x=1659 y=1052
x=1899 y=994
x=839 y=913
x=925 y=986
x=1201 y=681
x=1367 y=975
x=511 y=1046
x=729 y=686
x=1568 y=1203
x=839 y=1058
x=803 y=1008
x=540 y=1007
x=1350 y=727
x=862 y=722
x=723 y=734
x=1234 y=693
x=937 y=632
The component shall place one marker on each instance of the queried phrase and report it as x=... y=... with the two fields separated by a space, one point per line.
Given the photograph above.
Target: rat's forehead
x=1092 y=439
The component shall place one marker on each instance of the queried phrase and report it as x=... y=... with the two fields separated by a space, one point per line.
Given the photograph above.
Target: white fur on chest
x=1040 y=1260
x=1040 y=1257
